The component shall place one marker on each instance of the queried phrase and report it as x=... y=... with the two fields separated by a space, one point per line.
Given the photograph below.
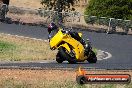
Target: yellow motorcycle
x=70 y=49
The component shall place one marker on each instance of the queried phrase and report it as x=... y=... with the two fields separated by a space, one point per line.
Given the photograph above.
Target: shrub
x=119 y=9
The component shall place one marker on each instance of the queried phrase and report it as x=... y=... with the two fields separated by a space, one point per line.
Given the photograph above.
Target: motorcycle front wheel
x=92 y=58
x=59 y=57
x=66 y=56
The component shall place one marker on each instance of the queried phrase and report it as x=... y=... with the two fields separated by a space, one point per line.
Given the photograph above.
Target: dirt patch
x=51 y=79
x=27 y=75
x=53 y=75
x=27 y=18
x=34 y=4
x=33 y=78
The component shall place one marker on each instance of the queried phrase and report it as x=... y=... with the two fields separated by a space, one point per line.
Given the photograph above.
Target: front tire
x=66 y=56
x=92 y=58
x=59 y=57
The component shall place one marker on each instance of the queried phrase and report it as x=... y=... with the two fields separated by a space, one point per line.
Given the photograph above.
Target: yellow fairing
x=77 y=47
x=66 y=46
x=56 y=40
x=68 y=40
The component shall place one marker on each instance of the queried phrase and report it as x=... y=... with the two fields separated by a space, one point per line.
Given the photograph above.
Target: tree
x=119 y=9
x=59 y=5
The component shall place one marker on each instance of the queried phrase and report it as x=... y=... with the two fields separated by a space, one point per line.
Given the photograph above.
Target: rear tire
x=92 y=58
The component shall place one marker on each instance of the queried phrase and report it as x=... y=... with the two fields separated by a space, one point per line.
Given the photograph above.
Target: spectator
x=4 y=9
x=6 y=2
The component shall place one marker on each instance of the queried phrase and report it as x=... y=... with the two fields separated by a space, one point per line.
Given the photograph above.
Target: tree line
x=119 y=9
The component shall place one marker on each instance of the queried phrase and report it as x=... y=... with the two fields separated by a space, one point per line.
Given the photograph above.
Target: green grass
x=22 y=49
x=6 y=50
x=5 y=46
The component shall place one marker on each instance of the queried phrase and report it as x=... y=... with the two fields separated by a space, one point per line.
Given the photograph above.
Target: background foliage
x=59 y=5
x=119 y=9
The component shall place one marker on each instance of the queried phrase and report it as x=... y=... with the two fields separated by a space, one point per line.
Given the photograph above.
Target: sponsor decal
x=83 y=78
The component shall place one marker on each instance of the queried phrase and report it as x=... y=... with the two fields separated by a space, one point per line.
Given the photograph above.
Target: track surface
x=120 y=46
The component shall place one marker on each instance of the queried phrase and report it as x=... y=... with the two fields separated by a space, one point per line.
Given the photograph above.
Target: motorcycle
x=70 y=49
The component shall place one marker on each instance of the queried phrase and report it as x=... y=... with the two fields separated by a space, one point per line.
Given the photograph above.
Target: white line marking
x=109 y=55
x=25 y=37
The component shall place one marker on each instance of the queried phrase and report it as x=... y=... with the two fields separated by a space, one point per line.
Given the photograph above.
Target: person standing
x=4 y=9
x=6 y=2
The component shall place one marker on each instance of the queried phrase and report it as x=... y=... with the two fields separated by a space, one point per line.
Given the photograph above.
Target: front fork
x=87 y=47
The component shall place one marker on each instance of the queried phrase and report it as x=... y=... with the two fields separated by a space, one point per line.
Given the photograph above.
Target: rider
x=53 y=29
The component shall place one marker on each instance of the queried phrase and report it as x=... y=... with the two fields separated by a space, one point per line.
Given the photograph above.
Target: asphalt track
x=120 y=46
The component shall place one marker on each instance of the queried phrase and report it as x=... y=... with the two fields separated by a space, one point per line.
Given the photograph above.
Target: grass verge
x=14 y=48
x=50 y=79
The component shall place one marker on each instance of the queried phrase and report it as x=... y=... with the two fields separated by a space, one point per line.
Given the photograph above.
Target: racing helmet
x=52 y=26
